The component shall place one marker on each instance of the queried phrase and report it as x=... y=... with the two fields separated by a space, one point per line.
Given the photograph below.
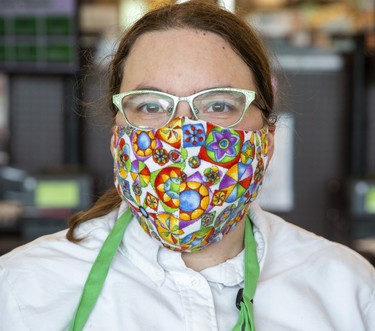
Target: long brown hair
x=197 y=15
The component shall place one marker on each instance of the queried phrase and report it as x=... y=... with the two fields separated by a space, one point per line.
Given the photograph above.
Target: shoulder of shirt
x=295 y=259
x=287 y=245
x=92 y=232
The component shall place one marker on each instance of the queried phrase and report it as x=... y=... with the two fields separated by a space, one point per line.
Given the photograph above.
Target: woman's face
x=183 y=62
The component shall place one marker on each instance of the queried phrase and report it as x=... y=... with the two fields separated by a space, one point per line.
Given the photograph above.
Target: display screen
x=370 y=200
x=38 y=35
x=57 y=194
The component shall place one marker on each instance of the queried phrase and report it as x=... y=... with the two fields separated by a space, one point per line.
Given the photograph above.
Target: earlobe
x=118 y=120
x=112 y=144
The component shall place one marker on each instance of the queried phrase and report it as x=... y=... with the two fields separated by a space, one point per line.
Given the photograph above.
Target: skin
x=183 y=62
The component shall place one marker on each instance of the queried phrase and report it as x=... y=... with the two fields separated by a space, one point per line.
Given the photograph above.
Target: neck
x=228 y=247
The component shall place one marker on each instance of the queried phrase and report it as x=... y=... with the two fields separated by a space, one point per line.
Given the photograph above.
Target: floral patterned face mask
x=189 y=183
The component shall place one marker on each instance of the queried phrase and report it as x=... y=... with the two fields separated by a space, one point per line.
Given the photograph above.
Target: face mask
x=190 y=182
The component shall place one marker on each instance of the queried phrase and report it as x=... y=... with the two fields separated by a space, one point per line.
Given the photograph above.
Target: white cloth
x=306 y=283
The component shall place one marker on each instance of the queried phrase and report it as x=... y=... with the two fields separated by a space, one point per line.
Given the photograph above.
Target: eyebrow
x=153 y=88
x=147 y=87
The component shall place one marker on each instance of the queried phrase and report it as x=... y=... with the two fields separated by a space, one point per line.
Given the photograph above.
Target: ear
x=271 y=142
x=112 y=142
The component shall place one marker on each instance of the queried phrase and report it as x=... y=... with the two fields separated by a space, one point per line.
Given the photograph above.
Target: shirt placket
x=197 y=301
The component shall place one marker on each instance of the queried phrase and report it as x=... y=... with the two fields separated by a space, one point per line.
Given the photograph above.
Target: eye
x=150 y=108
x=219 y=107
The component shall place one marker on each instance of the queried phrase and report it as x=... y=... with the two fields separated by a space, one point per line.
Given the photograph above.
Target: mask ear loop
x=246 y=318
x=98 y=273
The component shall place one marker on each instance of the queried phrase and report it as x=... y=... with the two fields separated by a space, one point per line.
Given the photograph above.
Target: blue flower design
x=193 y=135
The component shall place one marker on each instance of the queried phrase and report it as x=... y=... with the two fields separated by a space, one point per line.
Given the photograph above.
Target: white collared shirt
x=306 y=283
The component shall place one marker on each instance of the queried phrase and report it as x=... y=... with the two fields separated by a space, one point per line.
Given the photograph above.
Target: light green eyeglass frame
x=249 y=95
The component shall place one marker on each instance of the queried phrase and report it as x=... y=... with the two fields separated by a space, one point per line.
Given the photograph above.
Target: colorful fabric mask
x=190 y=182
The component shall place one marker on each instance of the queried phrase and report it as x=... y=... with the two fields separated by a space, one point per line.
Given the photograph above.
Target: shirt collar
x=154 y=260
x=261 y=230
x=228 y=273
x=231 y=272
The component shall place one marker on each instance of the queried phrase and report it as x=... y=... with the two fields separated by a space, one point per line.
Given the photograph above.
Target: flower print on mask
x=211 y=175
x=194 y=135
x=168 y=228
x=144 y=143
x=160 y=156
x=189 y=183
x=223 y=146
x=194 y=162
x=171 y=133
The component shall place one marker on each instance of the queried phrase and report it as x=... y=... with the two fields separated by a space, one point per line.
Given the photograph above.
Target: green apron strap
x=98 y=273
x=246 y=318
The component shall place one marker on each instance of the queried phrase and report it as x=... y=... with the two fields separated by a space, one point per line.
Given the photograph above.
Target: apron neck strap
x=98 y=273
x=245 y=320
x=99 y=270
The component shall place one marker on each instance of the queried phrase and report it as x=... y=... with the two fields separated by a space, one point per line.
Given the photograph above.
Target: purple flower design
x=224 y=144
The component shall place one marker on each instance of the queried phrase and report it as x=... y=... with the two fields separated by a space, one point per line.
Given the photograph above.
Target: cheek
x=119 y=119
x=253 y=120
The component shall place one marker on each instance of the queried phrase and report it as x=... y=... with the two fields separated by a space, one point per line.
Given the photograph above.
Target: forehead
x=184 y=61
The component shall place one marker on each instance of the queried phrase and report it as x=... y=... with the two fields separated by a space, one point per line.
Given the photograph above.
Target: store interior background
x=55 y=127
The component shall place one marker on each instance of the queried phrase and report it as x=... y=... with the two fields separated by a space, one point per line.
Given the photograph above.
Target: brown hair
x=198 y=15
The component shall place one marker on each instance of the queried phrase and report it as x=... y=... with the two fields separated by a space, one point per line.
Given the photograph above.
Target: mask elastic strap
x=98 y=273
x=245 y=320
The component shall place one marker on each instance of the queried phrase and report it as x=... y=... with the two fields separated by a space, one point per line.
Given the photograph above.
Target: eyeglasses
x=148 y=109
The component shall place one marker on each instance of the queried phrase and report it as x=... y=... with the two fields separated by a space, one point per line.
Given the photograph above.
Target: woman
x=193 y=100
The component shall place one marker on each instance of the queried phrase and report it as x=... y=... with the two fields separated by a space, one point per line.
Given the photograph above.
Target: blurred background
x=55 y=126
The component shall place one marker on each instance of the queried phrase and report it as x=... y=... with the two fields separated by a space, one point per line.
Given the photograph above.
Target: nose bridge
x=183 y=107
